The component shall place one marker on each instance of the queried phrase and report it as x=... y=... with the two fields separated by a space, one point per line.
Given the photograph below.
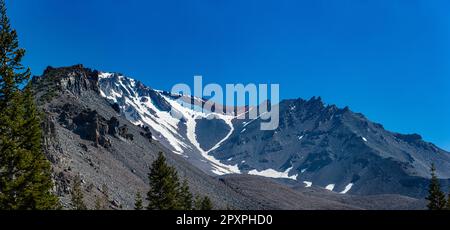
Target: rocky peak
x=75 y=79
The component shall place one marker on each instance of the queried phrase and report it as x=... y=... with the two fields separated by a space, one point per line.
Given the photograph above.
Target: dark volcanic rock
x=91 y=126
x=113 y=126
x=123 y=132
x=116 y=107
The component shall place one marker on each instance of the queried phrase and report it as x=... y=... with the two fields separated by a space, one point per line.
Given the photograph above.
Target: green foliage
x=436 y=198
x=203 y=203
x=77 y=197
x=185 y=196
x=25 y=173
x=138 y=203
x=166 y=191
x=164 y=186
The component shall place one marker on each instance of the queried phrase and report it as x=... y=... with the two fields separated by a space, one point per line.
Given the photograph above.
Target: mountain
x=84 y=135
x=109 y=128
x=315 y=144
x=335 y=149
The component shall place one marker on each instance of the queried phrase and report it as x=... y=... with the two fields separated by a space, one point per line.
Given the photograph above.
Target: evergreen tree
x=77 y=195
x=185 y=196
x=25 y=173
x=203 y=203
x=164 y=186
x=206 y=204
x=436 y=198
x=138 y=204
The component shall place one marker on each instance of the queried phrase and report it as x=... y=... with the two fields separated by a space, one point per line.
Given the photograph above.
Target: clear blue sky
x=389 y=59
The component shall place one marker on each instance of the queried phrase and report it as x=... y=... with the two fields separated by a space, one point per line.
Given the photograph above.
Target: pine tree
x=185 y=196
x=203 y=203
x=138 y=204
x=77 y=195
x=206 y=204
x=436 y=198
x=164 y=186
x=25 y=173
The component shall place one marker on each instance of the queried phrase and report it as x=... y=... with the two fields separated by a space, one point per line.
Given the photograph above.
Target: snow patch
x=273 y=173
x=330 y=187
x=364 y=139
x=347 y=188
x=247 y=123
x=307 y=184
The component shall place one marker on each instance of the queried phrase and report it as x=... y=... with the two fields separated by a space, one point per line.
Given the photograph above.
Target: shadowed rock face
x=210 y=132
x=90 y=125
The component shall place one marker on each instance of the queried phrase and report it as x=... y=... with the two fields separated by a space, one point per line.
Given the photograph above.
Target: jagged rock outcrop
x=147 y=133
x=92 y=126
x=75 y=79
x=113 y=126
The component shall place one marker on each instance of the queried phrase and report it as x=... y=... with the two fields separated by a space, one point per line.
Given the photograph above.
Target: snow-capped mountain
x=315 y=144
x=173 y=119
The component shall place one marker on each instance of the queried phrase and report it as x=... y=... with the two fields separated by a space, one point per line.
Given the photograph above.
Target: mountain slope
x=329 y=147
x=85 y=136
x=109 y=128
